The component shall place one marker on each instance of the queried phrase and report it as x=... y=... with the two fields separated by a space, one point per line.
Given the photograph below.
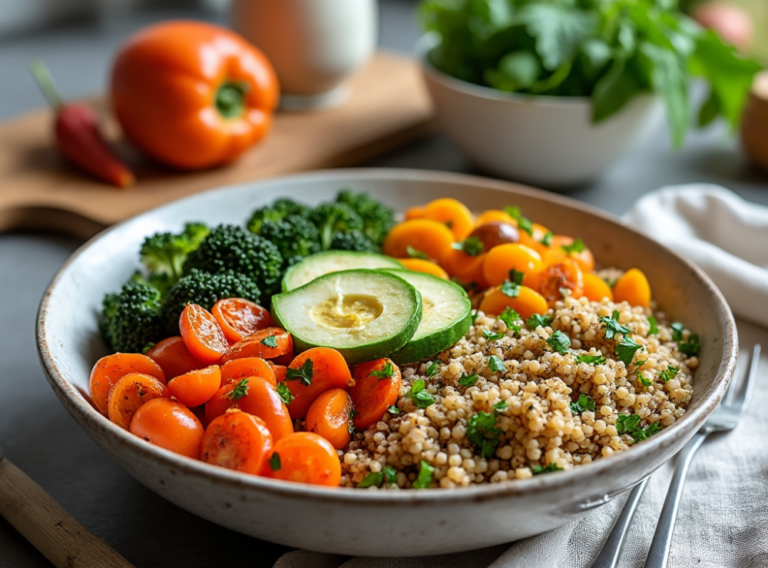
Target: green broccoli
x=378 y=219
x=130 y=319
x=353 y=240
x=205 y=289
x=294 y=236
x=330 y=218
x=165 y=253
x=229 y=247
x=280 y=209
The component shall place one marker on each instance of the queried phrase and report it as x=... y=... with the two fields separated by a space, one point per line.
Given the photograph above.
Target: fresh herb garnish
x=386 y=373
x=303 y=373
x=269 y=341
x=468 y=380
x=285 y=393
x=644 y=381
x=350 y=420
x=654 y=329
x=496 y=364
x=511 y=287
x=491 y=336
x=274 y=462
x=500 y=406
x=418 y=394
x=483 y=433
x=510 y=317
x=669 y=373
x=591 y=359
x=394 y=410
x=240 y=390
x=612 y=325
x=373 y=478
x=538 y=320
x=472 y=246
x=522 y=222
x=630 y=424
x=546 y=240
x=585 y=402
x=626 y=349
x=426 y=472
x=552 y=467
x=576 y=246
x=413 y=253
x=434 y=368
x=677 y=330
x=559 y=342
x=473 y=316
x=690 y=346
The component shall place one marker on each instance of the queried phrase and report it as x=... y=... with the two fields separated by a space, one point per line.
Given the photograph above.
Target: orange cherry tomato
x=329 y=416
x=237 y=440
x=557 y=253
x=305 y=457
x=170 y=425
x=254 y=346
x=236 y=369
x=196 y=387
x=239 y=318
x=466 y=268
x=534 y=240
x=110 y=369
x=280 y=372
x=173 y=357
x=129 y=393
x=323 y=368
x=374 y=391
x=633 y=287
x=202 y=334
x=453 y=213
x=526 y=303
x=425 y=266
x=595 y=288
x=426 y=236
x=501 y=259
x=414 y=213
x=557 y=277
x=493 y=216
x=191 y=94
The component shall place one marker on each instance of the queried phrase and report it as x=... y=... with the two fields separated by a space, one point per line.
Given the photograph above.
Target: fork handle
x=658 y=555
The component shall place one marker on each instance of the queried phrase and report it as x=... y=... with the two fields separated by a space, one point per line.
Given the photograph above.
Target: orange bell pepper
x=193 y=95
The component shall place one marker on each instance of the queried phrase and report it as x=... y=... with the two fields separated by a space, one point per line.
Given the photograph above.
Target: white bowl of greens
x=551 y=93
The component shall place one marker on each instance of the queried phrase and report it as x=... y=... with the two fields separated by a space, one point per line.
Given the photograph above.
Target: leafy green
x=240 y=390
x=426 y=473
x=591 y=359
x=284 y=392
x=377 y=478
x=511 y=318
x=434 y=368
x=466 y=380
x=612 y=325
x=654 y=329
x=585 y=402
x=677 y=330
x=523 y=223
x=496 y=364
x=472 y=246
x=630 y=424
x=646 y=382
x=626 y=349
x=386 y=373
x=669 y=373
x=483 y=433
x=491 y=336
x=393 y=410
x=274 y=462
x=550 y=468
x=576 y=246
x=269 y=341
x=691 y=345
x=559 y=342
x=511 y=287
x=538 y=320
x=419 y=395
x=303 y=373
x=413 y=253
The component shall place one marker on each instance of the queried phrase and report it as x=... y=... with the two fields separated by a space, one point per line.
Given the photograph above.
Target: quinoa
x=535 y=425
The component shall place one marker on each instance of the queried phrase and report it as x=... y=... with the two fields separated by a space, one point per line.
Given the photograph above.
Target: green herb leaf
x=496 y=364
x=591 y=359
x=612 y=325
x=491 y=336
x=500 y=406
x=690 y=346
x=240 y=390
x=669 y=373
x=677 y=330
x=413 y=253
x=434 y=368
x=351 y=420
x=559 y=342
x=626 y=349
x=523 y=223
x=468 y=380
x=269 y=341
x=576 y=246
x=472 y=246
x=483 y=433
x=274 y=462
x=303 y=373
x=426 y=471
x=516 y=276
x=585 y=402
x=550 y=468
x=474 y=315
x=654 y=329
x=394 y=410
x=373 y=478
x=390 y=474
x=627 y=423
x=644 y=381
x=546 y=240
x=511 y=318
x=510 y=289
x=419 y=395
x=285 y=393
x=538 y=320
x=386 y=373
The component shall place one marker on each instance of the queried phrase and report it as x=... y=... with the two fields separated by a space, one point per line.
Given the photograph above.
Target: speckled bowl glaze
x=356 y=522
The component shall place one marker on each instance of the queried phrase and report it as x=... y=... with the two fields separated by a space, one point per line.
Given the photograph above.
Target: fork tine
x=741 y=400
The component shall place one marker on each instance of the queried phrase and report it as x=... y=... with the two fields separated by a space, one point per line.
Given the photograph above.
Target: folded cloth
x=720 y=232
x=723 y=519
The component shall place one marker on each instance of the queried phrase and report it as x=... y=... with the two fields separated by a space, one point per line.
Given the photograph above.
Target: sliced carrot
x=493 y=216
x=170 y=425
x=595 y=288
x=453 y=213
x=557 y=278
x=129 y=393
x=261 y=344
x=421 y=265
x=501 y=259
x=196 y=387
x=329 y=416
x=312 y=373
x=305 y=457
x=239 y=441
x=633 y=287
x=239 y=318
x=466 y=268
x=557 y=253
x=280 y=372
x=236 y=369
x=173 y=357
x=526 y=303
x=110 y=369
x=202 y=334
x=534 y=240
x=426 y=236
x=377 y=385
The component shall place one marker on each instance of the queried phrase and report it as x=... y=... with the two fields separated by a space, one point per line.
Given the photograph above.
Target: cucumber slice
x=446 y=316
x=333 y=261
x=364 y=314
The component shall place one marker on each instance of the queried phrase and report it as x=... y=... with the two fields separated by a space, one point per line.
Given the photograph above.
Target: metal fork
x=725 y=418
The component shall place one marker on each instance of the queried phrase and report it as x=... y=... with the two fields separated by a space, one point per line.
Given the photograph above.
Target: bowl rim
x=85 y=413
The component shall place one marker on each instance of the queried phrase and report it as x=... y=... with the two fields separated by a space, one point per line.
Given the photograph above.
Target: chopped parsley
x=654 y=329
x=474 y=316
x=643 y=434
x=303 y=373
x=285 y=393
x=468 y=380
x=496 y=364
x=510 y=317
x=418 y=394
x=690 y=346
x=393 y=410
x=677 y=330
x=576 y=246
x=483 y=433
x=559 y=342
x=350 y=420
x=386 y=373
x=546 y=240
x=585 y=402
x=434 y=368
x=269 y=341
x=552 y=467
x=491 y=336
x=413 y=253
x=612 y=325
x=522 y=222
x=472 y=246
x=240 y=390
x=511 y=287
x=640 y=363
x=669 y=373
x=643 y=380
x=538 y=320
x=630 y=424
x=274 y=462
x=426 y=472
x=626 y=349
x=501 y=406
x=591 y=359
x=377 y=478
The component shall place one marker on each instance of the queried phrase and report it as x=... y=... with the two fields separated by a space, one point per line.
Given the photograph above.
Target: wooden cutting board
x=388 y=106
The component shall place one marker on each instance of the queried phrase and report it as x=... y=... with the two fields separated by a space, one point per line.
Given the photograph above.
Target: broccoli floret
x=330 y=218
x=353 y=240
x=205 y=289
x=229 y=247
x=377 y=218
x=280 y=209
x=165 y=253
x=131 y=318
x=294 y=236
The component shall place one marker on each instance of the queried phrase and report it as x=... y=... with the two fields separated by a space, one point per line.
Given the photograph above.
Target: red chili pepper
x=78 y=136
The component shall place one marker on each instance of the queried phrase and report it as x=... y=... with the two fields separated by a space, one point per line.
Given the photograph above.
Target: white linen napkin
x=723 y=519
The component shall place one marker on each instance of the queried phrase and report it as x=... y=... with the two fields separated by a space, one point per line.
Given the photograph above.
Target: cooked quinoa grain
x=529 y=417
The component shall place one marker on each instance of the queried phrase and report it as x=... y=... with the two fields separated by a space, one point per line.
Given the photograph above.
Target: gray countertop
x=36 y=432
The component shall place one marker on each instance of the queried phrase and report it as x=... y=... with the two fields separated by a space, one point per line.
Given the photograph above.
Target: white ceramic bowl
x=377 y=523
x=544 y=140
